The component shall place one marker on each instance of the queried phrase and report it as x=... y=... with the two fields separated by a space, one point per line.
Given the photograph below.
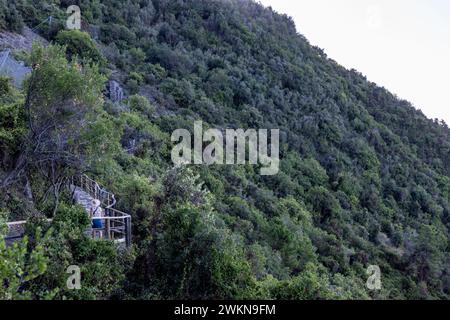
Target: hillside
x=364 y=177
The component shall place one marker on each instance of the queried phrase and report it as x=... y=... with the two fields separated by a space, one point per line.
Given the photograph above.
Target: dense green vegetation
x=364 y=177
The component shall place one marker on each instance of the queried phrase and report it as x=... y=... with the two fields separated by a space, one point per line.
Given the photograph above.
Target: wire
x=50 y=20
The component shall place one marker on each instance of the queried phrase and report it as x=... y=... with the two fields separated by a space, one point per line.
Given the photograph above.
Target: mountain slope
x=364 y=180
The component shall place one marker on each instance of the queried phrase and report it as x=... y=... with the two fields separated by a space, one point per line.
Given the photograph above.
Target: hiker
x=97 y=224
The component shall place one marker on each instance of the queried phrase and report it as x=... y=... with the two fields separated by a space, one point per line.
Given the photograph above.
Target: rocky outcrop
x=9 y=42
x=24 y=41
x=11 y=68
x=116 y=93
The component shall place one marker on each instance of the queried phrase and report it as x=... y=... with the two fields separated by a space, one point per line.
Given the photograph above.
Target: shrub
x=80 y=44
x=141 y=104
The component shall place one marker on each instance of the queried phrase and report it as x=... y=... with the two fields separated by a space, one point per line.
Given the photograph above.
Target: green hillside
x=364 y=177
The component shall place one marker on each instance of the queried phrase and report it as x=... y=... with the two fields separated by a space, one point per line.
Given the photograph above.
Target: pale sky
x=402 y=45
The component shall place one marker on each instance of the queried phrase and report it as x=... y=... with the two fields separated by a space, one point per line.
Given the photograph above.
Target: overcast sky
x=403 y=45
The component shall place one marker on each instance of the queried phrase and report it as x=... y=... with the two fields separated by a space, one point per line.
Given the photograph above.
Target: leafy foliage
x=364 y=179
x=79 y=44
x=19 y=266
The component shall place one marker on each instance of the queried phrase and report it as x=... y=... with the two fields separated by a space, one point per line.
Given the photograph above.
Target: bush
x=135 y=80
x=80 y=44
x=141 y=104
x=10 y=18
x=101 y=263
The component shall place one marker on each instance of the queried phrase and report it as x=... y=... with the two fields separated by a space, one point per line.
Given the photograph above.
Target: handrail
x=116 y=222
x=5 y=57
x=111 y=218
x=96 y=191
x=16 y=223
x=19 y=227
x=21 y=222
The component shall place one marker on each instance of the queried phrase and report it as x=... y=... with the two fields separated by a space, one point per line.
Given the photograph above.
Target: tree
x=310 y=284
x=80 y=44
x=19 y=265
x=10 y=18
x=12 y=121
x=101 y=263
x=62 y=98
x=142 y=105
x=427 y=254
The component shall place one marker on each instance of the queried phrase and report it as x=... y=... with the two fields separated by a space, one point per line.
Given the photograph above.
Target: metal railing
x=95 y=190
x=116 y=225
x=4 y=56
x=16 y=229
